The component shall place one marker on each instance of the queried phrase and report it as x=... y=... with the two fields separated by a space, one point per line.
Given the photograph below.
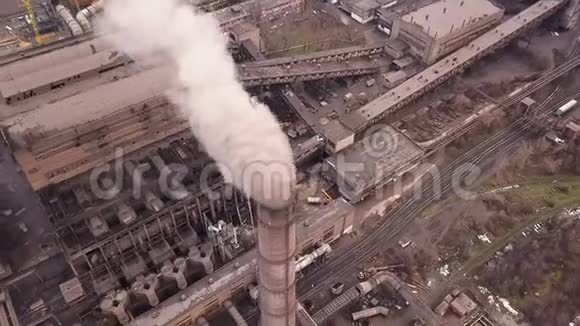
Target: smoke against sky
x=244 y=138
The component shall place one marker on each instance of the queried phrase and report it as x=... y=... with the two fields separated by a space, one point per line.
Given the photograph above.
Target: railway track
x=347 y=260
x=545 y=109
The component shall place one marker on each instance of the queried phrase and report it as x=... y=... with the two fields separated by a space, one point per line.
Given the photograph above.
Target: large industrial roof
x=92 y=104
x=58 y=72
x=440 y=18
x=61 y=56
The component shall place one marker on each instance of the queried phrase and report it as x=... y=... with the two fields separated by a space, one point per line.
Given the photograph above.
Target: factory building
x=363 y=167
x=445 y=26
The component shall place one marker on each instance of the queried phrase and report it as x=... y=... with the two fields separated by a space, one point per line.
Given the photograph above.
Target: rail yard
x=433 y=147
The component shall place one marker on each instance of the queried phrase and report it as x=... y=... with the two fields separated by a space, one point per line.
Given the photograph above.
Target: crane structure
x=30 y=11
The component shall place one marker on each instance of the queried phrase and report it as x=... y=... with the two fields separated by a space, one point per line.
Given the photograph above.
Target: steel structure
x=449 y=66
x=125 y=251
x=322 y=56
x=314 y=225
x=32 y=15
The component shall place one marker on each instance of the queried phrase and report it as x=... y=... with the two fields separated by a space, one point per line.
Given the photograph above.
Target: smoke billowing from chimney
x=242 y=136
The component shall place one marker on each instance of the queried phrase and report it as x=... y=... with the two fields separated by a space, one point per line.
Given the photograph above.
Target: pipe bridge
x=251 y=75
x=336 y=55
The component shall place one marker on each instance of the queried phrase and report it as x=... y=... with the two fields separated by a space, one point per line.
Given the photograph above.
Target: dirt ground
x=315 y=29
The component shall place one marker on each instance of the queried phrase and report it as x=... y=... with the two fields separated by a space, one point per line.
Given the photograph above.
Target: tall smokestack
x=242 y=136
x=277 y=246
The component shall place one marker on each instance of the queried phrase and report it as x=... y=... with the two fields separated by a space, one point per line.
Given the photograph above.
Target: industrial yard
x=289 y=162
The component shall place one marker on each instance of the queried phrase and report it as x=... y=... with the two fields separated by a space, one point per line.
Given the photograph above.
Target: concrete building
x=388 y=14
x=463 y=305
x=364 y=11
x=272 y=9
x=382 y=156
x=444 y=26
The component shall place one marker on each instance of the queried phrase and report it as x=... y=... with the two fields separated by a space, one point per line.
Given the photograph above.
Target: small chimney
x=461 y=3
x=426 y=17
x=444 y=10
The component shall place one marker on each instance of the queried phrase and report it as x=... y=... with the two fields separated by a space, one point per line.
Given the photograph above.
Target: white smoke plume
x=243 y=137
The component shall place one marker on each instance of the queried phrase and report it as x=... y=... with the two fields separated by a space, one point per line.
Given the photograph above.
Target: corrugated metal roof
x=57 y=73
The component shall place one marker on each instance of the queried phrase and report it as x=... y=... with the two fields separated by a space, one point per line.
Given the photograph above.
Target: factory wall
x=413 y=35
x=429 y=48
x=461 y=36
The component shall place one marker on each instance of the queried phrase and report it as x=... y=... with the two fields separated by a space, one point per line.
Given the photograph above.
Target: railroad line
x=511 y=100
x=488 y=253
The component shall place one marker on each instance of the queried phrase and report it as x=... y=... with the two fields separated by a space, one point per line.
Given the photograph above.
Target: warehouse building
x=444 y=26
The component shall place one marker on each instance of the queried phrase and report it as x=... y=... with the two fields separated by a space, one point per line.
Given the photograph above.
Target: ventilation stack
x=147 y=286
x=202 y=256
x=116 y=304
x=176 y=272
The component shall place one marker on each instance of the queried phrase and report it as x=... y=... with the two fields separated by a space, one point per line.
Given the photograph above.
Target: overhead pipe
x=367 y=313
x=84 y=16
x=379 y=278
x=304 y=261
x=68 y=18
x=233 y=311
x=301 y=263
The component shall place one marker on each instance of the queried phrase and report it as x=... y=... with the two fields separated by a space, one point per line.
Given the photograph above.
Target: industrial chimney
x=276 y=274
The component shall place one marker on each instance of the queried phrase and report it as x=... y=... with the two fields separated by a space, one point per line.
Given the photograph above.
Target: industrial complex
x=434 y=148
